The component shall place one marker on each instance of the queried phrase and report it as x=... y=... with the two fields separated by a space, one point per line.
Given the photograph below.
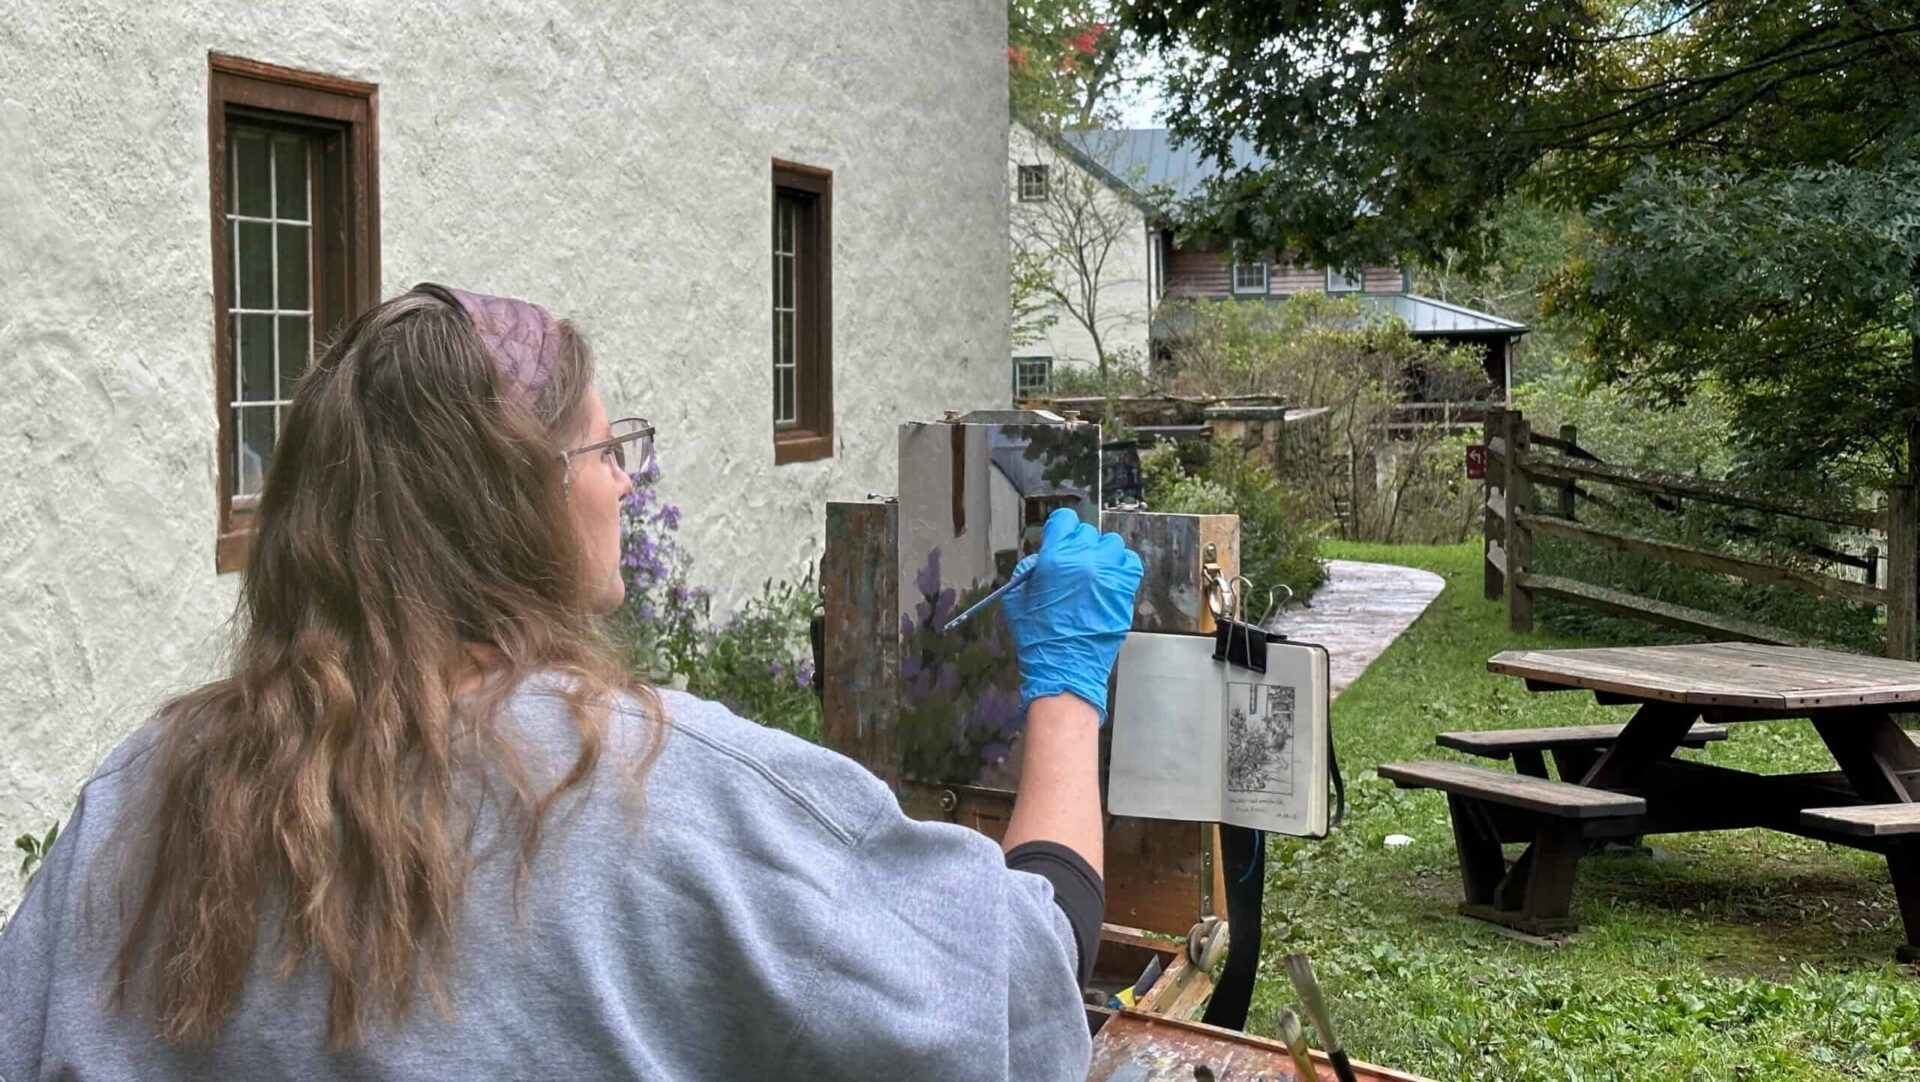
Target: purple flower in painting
x=997 y=710
x=779 y=671
x=946 y=681
x=994 y=754
x=943 y=608
x=910 y=666
x=803 y=676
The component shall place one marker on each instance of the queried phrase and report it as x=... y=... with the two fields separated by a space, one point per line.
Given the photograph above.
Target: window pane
x=788 y=347
x=786 y=281
x=253 y=354
x=290 y=177
x=252 y=177
x=253 y=450
x=294 y=295
x=296 y=344
x=254 y=245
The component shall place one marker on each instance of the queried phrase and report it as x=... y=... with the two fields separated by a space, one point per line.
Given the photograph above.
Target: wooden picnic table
x=1636 y=786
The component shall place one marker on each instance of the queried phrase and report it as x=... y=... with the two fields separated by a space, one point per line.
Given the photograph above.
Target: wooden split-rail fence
x=1534 y=481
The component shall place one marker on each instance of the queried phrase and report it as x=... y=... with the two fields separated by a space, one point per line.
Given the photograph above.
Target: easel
x=1162 y=876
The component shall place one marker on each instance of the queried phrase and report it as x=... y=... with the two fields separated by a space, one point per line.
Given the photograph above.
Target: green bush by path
x=1734 y=955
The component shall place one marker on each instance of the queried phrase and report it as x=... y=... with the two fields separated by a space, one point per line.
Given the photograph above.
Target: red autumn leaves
x=1084 y=43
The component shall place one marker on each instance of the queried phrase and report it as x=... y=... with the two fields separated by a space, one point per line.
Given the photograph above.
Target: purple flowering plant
x=758 y=661
x=960 y=690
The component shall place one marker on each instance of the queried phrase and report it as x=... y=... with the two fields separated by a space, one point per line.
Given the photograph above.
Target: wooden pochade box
x=935 y=714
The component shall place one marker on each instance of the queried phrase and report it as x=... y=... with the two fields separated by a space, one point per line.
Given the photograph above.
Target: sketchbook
x=1195 y=738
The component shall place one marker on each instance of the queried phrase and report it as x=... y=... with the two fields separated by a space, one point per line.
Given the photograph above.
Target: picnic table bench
x=1624 y=782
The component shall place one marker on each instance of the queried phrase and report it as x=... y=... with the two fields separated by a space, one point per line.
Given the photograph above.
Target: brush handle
x=1342 y=1067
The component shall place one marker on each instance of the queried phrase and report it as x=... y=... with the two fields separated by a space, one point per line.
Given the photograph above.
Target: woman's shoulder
x=705 y=749
x=761 y=762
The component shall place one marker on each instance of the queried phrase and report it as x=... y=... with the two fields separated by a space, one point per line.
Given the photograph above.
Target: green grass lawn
x=1735 y=955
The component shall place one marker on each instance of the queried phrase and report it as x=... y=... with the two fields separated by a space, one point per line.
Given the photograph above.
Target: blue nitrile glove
x=1072 y=611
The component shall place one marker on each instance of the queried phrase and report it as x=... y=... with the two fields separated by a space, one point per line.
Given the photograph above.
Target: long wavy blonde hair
x=407 y=527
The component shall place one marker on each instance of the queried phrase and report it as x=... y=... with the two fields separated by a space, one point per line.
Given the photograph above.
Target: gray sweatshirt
x=767 y=912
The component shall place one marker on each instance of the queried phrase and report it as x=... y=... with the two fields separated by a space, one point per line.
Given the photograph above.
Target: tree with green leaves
x=1067 y=62
x=1746 y=166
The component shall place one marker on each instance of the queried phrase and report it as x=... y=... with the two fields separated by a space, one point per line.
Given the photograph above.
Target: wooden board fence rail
x=1517 y=467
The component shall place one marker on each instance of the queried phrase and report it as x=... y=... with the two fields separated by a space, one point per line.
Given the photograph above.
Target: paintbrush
x=1300 y=972
x=1018 y=578
x=1295 y=1039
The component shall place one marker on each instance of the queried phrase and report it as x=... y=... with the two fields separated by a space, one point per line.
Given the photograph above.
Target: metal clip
x=1214 y=584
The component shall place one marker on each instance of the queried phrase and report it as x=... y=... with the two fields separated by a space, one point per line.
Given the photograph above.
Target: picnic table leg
x=1538 y=892
x=1652 y=734
x=1572 y=764
x=1530 y=761
x=1903 y=864
x=1482 y=864
x=1872 y=750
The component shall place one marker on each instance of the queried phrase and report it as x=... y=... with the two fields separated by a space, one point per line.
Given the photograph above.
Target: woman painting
x=426 y=826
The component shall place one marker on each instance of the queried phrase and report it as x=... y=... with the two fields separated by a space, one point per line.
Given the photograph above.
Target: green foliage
x=36 y=849
x=1745 y=167
x=1358 y=366
x=1738 y=955
x=759 y=662
x=1066 y=62
x=1692 y=437
x=1390 y=128
x=1279 y=535
x=1791 y=289
x=1086 y=381
x=1030 y=287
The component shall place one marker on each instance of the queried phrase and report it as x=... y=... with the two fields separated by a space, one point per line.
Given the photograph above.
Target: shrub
x=1360 y=367
x=757 y=663
x=1279 y=534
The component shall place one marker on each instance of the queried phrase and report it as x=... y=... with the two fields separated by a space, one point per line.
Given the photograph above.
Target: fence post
x=1903 y=538
x=1519 y=534
x=1571 y=435
x=1494 y=532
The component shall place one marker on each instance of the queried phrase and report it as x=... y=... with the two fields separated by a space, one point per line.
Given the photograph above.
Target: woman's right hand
x=1072 y=611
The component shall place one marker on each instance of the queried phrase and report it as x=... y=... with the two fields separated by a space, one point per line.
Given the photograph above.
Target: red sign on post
x=1476 y=462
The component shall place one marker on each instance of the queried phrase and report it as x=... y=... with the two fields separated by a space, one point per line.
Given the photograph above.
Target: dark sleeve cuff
x=1079 y=893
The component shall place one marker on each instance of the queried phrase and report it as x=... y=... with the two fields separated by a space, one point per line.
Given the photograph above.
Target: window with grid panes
x=1249 y=276
x=269 y=289
x=1032 y=376
x=1033 y=184
x=295 y=250
x=802 y=302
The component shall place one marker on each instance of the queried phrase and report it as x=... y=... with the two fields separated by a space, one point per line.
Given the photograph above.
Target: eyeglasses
x=630 y=446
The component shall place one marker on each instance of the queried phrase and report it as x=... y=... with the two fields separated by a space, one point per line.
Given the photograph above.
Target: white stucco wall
x=1124 y=309
x=610 y=161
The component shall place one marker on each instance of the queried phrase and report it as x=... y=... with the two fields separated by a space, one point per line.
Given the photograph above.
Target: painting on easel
x=973 y=500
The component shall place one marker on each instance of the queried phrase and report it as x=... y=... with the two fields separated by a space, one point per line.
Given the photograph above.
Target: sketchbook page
x=1275 y=724
x=1165 y=760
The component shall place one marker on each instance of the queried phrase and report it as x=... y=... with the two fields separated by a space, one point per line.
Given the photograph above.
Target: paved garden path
x=1359 y=612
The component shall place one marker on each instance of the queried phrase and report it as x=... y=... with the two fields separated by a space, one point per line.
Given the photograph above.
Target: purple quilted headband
x=522 y=338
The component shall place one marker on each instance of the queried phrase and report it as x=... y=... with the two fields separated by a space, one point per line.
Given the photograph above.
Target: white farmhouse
x=193 y=194
x=1099 y=240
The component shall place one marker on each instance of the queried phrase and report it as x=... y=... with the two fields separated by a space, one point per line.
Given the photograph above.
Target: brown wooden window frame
x=340 y=117
x=810 y=437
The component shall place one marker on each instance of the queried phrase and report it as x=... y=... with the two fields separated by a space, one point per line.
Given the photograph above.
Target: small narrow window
x=1032 y=376
x=802 y=313
x=1344 y=281
x=1248 y=276
x=295 y=253
x=1033 y=184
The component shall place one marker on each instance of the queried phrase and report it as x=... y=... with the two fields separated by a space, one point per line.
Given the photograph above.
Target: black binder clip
x=1243 y=644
